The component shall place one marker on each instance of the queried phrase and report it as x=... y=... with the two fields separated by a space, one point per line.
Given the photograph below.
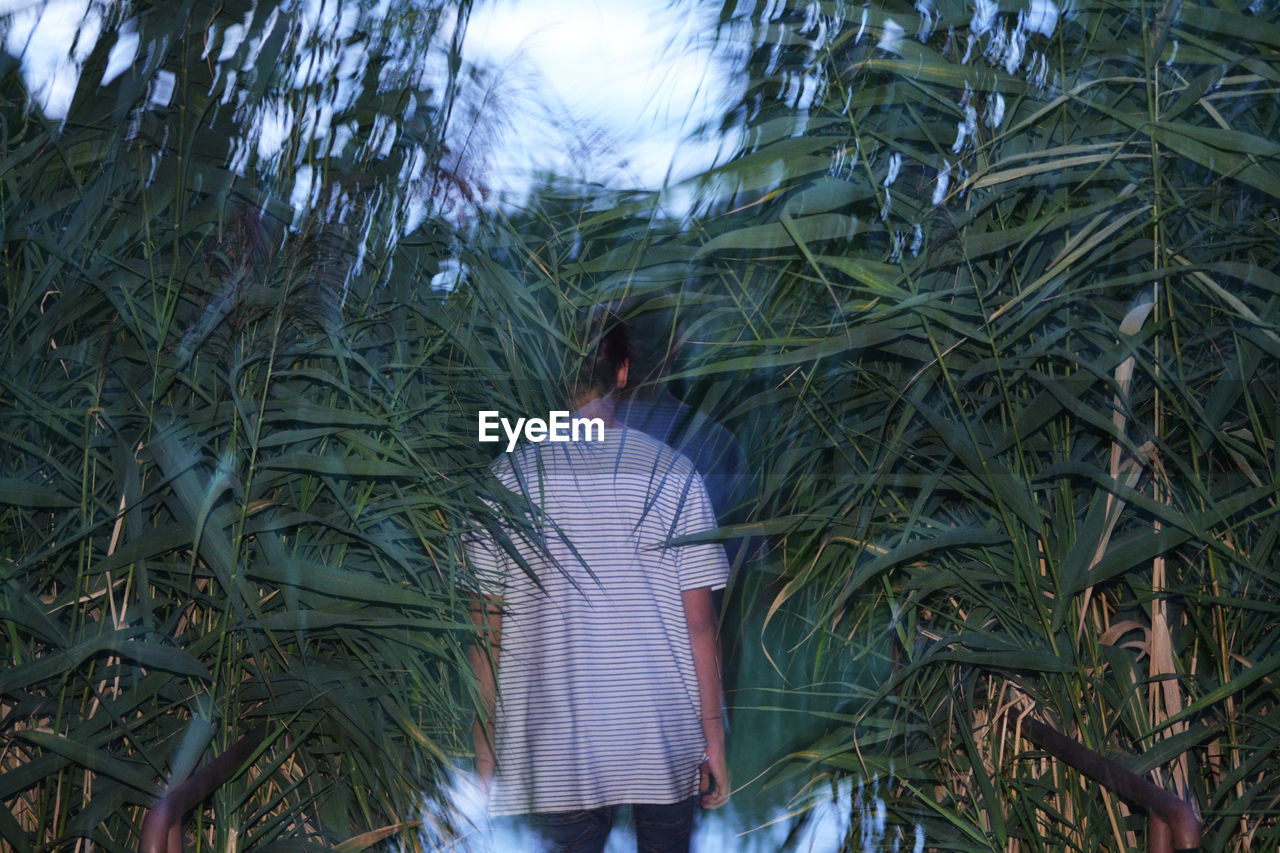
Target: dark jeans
x=659 y=828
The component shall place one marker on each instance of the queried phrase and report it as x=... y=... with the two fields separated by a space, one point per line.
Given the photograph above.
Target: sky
x=635 y=77
x=603 y=90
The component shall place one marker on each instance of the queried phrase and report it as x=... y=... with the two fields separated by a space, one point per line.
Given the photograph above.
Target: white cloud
x=984 y=17
x=1042 y=17
x=122 y=53
x=891 y=38
x=940 y=188
x=52 y=41
x=161 y=88
x=632 y=70
x=895 y=166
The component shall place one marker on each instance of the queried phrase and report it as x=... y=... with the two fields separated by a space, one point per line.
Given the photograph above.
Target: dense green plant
x=229 y=479
x=998 y=286
x=988 y=292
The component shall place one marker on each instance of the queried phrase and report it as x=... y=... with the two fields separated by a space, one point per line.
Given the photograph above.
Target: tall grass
x=991 y=304
x=229 y=479
x=990 y=293
x=999 y=298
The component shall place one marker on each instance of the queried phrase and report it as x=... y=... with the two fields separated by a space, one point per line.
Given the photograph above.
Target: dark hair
x=607 y=348
x=656 y=336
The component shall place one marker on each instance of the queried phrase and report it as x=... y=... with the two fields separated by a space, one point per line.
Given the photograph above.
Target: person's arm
x=486 y=615
x=700 y=616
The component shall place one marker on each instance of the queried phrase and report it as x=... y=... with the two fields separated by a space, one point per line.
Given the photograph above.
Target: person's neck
x=649 y=395
x=603 y=408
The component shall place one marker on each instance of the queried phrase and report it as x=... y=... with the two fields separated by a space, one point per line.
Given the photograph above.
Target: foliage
x=228 y=488
x=988 y=292
x=999 y=289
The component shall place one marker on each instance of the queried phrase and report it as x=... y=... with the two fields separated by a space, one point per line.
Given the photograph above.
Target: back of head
x=608 y=348
x=655 y=333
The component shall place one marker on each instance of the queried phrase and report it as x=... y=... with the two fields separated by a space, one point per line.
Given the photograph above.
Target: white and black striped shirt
x=597 y=695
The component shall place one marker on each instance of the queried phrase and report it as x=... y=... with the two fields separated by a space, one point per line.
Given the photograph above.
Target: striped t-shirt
x=597 y=695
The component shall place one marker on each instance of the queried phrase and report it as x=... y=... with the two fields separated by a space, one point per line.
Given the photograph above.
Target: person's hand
x=714 y=778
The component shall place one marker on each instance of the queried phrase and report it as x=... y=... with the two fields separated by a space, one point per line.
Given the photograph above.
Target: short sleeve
x=488 y=563
x=701 y=564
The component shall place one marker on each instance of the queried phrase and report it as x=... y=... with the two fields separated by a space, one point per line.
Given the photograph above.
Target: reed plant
x=991 y=291
x=987 y=291
x=229 y=485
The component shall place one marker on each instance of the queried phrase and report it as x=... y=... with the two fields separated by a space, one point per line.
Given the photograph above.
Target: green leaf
x=21 y=493
x=93 y=760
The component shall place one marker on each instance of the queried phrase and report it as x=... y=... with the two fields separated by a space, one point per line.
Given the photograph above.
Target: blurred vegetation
x=227 y=495
x=1000 y=286
x=987 y=290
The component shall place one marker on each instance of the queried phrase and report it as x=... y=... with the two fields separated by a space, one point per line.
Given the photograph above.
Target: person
x=598 y=664
x=648 y=405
